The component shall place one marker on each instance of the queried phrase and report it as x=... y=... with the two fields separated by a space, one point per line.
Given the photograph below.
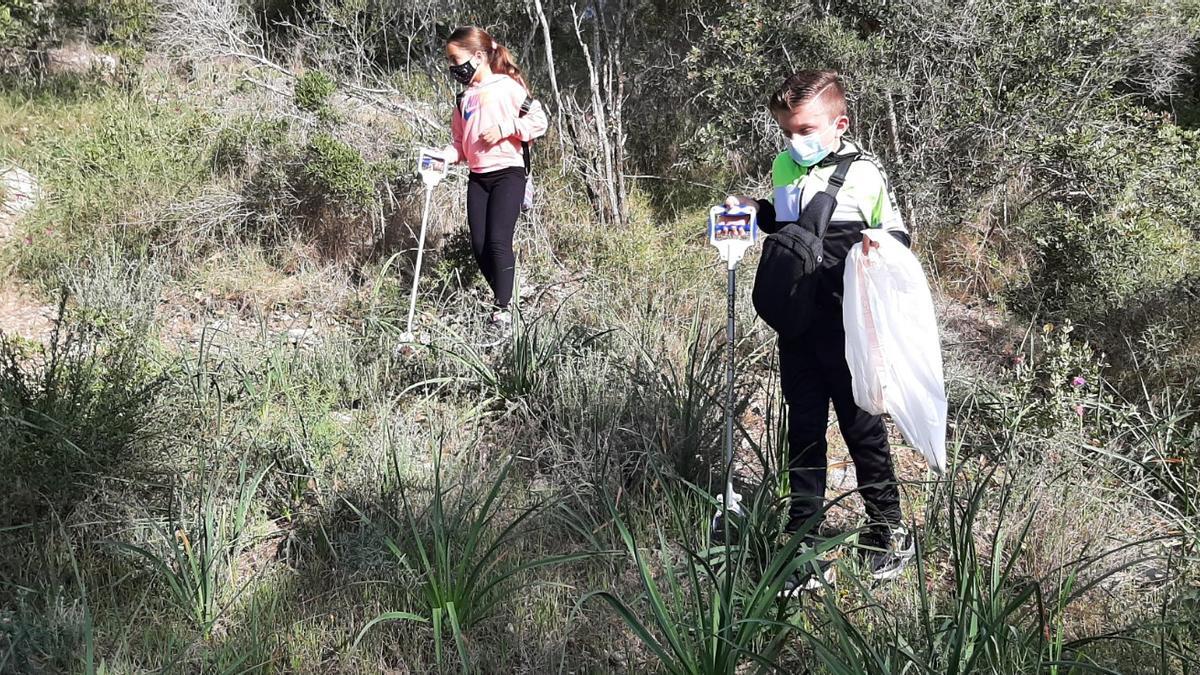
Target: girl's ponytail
x=502 y=62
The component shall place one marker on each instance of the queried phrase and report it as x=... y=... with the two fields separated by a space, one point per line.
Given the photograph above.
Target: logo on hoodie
x=474 y=103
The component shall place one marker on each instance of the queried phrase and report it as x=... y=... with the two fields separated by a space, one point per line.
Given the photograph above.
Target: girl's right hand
x=492 y=136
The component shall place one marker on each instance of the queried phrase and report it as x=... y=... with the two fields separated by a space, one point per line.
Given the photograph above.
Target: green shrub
x=1058 y=385
x=313 y=90
x=316 y=191
x=230 y=150
x=948 y=94
x=247 y=138
x=337 y=172
x=1118 y=219
x=23 y=23
x=124 y=25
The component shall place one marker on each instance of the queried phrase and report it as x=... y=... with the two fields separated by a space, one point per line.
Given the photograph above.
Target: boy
x=810 y=109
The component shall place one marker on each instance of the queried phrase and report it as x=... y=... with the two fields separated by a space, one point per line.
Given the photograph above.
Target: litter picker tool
x=732 y=230
x=432 y=167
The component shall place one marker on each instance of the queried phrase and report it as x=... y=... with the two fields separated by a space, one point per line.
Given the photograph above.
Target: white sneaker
x=501 y=318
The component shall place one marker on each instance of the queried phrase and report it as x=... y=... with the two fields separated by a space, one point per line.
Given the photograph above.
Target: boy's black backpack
x=785 y=285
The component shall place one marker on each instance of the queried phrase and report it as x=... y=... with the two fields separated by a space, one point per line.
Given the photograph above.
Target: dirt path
x=21 y=315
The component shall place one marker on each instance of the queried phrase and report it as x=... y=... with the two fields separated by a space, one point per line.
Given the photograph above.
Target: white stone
x=79 y=60
x=20 y=193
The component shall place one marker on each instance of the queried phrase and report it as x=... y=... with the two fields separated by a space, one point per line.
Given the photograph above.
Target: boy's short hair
x=806 y=85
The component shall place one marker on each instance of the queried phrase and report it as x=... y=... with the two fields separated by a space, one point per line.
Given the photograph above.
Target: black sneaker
x=887 y=559
x=810 y=576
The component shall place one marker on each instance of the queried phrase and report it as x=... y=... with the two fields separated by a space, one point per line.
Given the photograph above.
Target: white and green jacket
x=866 y=201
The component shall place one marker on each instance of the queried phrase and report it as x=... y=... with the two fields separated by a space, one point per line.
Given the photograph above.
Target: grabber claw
x=735 y=511
x=732 y=230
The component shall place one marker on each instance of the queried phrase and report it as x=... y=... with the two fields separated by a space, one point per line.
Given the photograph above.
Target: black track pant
x=813 y=371
x=493 y=204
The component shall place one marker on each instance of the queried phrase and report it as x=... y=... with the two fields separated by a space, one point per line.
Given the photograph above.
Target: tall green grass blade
x=387 y=617
x=459 y=641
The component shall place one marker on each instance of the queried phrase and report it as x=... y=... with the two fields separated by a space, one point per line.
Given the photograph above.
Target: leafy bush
x=1123 y=200
x=948 y=95
x=1059 y=388
x=285 y=183
x=313 y=90
x=27 y=26
x=23 y=23
x=333 y=172
x=245 y=142
x=126 y=23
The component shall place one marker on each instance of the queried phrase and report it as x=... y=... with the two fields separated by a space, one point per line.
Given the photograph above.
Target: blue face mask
x=807 y=150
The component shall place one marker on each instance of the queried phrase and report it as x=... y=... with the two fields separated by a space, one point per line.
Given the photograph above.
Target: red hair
x=475 y=39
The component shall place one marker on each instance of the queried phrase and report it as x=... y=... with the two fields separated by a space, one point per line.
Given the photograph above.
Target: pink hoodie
x=496 y=100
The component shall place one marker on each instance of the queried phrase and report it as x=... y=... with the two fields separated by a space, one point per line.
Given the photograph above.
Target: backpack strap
x=458 y=102
x=525 y=106
x=838 y=179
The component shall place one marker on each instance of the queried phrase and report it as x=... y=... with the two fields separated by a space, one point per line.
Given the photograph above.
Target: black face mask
x=463 y=72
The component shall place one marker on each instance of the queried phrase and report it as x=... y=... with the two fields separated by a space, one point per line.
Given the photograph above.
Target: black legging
x=493 y=204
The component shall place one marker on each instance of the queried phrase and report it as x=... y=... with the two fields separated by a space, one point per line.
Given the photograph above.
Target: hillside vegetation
x=218 y=456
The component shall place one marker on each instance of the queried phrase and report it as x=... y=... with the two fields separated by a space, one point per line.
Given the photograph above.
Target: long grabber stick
x=733 y=231
x=432 y=168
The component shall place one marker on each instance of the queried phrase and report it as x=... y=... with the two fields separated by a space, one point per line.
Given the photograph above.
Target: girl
x=487 y=132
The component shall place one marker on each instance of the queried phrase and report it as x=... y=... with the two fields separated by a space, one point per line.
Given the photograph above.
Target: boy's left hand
x=868 y=244
x=492 y=136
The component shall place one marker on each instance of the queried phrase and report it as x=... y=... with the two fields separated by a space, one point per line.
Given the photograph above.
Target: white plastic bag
x=892 y=344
